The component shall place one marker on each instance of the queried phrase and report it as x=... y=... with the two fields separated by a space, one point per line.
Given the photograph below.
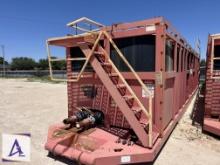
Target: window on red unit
x=216 y=62
x=138 y=50
x=177 y=58
x=169 y=56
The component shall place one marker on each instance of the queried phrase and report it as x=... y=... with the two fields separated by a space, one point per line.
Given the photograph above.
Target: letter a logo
x=16 y=149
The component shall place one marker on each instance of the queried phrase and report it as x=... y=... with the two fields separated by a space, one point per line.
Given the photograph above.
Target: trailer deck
x=106 y=151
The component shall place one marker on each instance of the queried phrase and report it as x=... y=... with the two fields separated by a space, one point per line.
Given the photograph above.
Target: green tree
x=202 y=62
x=58 y=65
x=23 y=63
x=43 y=64
x=1 y=61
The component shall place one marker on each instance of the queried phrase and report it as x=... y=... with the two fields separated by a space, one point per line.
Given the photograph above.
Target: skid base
x=101 y=147
x=96 y=147
x=212 y=125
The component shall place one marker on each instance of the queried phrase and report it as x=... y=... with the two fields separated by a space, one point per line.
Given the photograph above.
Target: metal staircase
x=115 y=83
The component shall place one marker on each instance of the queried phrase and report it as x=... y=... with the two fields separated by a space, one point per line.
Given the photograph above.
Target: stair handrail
x=79 y=74
x=127 y=63
x=147 y=113
x=88 y=58
x=76 y=25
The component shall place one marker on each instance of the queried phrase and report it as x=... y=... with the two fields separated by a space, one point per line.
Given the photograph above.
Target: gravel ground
x=30 y=107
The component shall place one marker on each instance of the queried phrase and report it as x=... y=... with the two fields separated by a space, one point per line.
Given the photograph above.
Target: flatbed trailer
x=140 y=75
x=212 y=86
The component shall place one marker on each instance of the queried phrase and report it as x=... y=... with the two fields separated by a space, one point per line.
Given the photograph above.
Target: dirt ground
x=30 y=107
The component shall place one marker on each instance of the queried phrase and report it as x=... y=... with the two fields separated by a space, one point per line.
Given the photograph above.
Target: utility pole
x=3 y=56
x=198 y=48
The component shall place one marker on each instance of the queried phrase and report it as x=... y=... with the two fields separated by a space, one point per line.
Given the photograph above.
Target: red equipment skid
x=212 y=89
x=141 y=75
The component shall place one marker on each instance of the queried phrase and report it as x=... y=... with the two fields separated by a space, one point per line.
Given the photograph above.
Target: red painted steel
x=172 y=90
x=212 y=89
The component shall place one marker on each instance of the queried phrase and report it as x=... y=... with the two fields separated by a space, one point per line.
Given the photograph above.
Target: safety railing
x=99 y=34
x=147 y=113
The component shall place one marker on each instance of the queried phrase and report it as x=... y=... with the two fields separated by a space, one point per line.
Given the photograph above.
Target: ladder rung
x=98 y=52
x=69 y=59
x=137 y=112
x=106 y=64
x=113 y=74
x=107 y=67
x=58 y=59
x=114 y=77
x=127 y=97
x=76 y=59
x=136 y=109
x=144 y=121
x=122 y=89
x=74 y=76
x=121 y=85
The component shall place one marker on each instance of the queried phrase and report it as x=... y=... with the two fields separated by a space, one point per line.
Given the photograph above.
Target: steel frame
x=212 y=89
x=148 y=112
x=164 y=115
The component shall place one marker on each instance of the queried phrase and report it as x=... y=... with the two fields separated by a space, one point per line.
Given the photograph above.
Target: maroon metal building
x=141 y=75
x=212 y=87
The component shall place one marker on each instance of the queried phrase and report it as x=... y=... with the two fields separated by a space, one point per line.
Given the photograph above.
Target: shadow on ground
x=61 y=159
x=198 y=110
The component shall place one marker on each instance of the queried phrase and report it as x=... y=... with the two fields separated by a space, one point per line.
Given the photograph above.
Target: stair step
x=100 y=56
x=129 y=99
x=98 y=52
x=122 y=89
x=121 y=101
x=144 y=123
x=113 y=74
x=114 y=77
x=121 y=85
x=74 y=76
x=137 y=111
x=107 y=67
x=107 y=64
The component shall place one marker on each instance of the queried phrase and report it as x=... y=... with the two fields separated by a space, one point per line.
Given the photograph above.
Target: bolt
x=124 y=141
x=118 y=140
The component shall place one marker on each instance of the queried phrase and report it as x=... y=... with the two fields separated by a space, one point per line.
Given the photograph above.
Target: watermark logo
x=16 y=147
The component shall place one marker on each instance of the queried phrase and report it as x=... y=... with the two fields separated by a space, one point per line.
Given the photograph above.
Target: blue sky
x=26 y=24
